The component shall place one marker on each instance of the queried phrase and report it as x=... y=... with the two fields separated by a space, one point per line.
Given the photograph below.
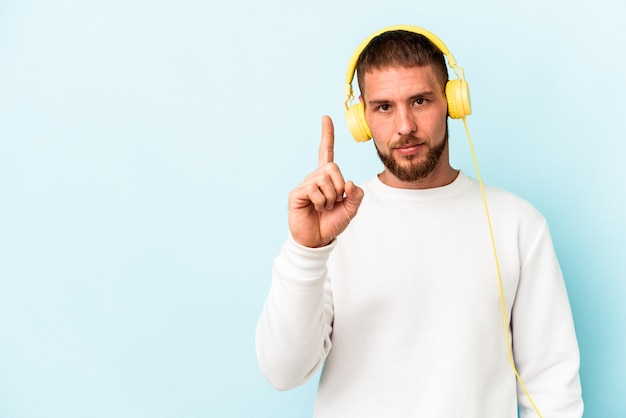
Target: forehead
x=401 y=80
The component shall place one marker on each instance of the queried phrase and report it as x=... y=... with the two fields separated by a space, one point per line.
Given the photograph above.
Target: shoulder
x=499 y=200
x=504 y=196
x=513 y=215
x=506 y=200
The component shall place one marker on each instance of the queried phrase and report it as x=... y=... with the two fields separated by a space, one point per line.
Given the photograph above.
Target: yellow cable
x=495 y=254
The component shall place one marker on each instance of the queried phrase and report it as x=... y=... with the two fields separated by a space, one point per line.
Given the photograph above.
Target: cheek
x=438 y=121
x=380 y=138
x=380 y=130
x=380 y=141
x=441 y=123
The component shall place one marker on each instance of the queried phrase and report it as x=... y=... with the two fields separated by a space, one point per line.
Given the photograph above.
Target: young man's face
x=406 y=110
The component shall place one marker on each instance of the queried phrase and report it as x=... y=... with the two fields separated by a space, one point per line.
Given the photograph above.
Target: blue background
x=146 y=153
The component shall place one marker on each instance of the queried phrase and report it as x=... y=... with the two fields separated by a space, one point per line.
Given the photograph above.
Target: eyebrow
x=377 y=102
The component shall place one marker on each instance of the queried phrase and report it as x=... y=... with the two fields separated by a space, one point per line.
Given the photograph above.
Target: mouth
x=406 y=150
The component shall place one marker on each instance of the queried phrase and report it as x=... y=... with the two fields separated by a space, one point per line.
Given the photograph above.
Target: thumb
x=354 y=197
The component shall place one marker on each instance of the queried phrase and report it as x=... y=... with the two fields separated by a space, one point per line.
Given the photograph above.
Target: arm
x=293 y=334
x=544 y=339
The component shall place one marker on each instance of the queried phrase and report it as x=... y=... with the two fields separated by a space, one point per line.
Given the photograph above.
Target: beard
x=411 y=170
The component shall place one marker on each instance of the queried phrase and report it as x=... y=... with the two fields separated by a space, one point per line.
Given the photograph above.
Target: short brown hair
x=400 y=48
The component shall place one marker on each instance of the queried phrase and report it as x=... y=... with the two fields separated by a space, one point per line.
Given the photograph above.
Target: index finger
x=327 y=145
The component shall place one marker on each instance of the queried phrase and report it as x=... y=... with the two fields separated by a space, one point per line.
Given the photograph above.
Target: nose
x=405 y=121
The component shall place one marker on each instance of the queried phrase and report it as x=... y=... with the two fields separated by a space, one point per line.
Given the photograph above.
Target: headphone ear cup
x=458 y=97
x=355 y=116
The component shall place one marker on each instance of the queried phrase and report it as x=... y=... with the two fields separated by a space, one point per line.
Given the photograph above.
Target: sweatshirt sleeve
x=293 y=332
x=544 y=340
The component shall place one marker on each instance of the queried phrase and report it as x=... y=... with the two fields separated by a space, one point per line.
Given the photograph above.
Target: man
x=392 y=285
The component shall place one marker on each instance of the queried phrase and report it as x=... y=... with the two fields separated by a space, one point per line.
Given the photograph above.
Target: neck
x=436 y=178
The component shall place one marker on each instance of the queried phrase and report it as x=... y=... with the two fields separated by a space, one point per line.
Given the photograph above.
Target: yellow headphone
x=457 y=91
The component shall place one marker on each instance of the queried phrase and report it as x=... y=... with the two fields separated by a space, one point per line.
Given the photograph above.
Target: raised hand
x=322 y=206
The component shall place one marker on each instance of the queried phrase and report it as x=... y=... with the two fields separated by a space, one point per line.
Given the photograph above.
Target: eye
x=384 y=108
x=420 y=101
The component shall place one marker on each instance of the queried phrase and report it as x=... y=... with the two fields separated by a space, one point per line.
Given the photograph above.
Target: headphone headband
x=431 y=37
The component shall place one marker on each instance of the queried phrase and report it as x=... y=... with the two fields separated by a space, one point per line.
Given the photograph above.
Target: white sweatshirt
x=404 y=310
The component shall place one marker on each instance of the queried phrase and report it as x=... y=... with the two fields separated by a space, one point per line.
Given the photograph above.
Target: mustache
x=405 y=140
